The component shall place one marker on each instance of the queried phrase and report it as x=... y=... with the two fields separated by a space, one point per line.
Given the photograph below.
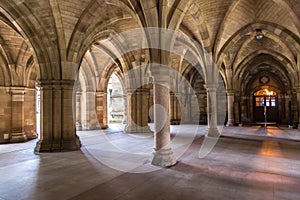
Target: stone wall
x=5 y=115
x=17 y=114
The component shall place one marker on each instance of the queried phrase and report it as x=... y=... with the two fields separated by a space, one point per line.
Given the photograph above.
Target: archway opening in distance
x=115 y=100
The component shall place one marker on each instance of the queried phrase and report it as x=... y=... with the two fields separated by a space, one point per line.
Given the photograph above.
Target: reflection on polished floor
x=246 y=163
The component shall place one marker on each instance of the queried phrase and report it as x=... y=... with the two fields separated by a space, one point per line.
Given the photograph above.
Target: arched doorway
x=115 y=99
x=265 y=106
x=266 y=90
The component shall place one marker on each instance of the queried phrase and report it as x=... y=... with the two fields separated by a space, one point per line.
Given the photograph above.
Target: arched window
x=265 y=97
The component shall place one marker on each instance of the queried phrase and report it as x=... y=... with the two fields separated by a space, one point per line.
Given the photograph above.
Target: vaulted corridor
x=201 y=97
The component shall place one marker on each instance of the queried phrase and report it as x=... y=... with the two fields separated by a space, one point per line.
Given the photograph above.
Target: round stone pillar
x=213 y=130
x=230 y=107
x=296 y=109
x=78 y=111
x=174 y=109
x=163 y=155
x=101 y=109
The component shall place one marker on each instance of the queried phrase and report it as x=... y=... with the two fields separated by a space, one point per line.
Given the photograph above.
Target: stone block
x=4 y=138
x=18 y=137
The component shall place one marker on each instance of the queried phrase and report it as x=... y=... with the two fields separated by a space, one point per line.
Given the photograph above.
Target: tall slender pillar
x=213 y=130
x=30 y=113
x=163 y=155
x=57 y=126
x=101 y=109
x=187 y=109
x=296 y=112
x=17 y=114
x=297 y=108
x=78 y=111
x=5 y=114
x=230 y=107
x=88 y=114
x=202 y=103
x=174 y=109
x=137 y=111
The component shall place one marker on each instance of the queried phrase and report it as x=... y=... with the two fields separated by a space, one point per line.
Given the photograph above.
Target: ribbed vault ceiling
x=57 y=32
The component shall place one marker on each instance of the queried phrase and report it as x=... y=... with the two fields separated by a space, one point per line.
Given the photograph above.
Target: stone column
x=188 y=104
x=17 y=114
x=187 y=109
x=287 y=99
x=57 y=126
x=297 y=108
x=30 y=113
x=237 y=111
x=163 y=155
x=88 y=114
x=137 y=111
x=230 y=107
x=78 y=111
x=5 y=114
x=101 y=109
x=202 y=101
x=296 y=104
x=213 y=130
x=174 y=109
x=151 y=105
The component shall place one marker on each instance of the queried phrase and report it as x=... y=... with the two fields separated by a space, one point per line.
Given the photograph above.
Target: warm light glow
x=270 y=148
x=265 y=92
x=269 y=93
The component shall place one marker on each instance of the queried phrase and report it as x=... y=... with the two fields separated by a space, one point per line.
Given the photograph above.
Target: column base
x=137 y=129
x=175 y=122
x=57 y=145
x=4 y=138
x=103 y=126
x=213 y=132
x=230 y=123
x=163 y=158
x=88 y=127
x=18 y=137
x=78 y=126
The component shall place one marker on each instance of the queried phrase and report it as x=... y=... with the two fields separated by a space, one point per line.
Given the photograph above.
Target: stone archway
x=116 y=105
x=265 y=106
x=18 y=73
x=267 y=100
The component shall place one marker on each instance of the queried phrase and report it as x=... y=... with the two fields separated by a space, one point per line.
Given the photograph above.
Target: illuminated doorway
x=115 y=99
x=266 y=106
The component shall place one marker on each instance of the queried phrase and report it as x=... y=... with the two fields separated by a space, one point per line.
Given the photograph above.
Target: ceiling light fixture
x=259 y=34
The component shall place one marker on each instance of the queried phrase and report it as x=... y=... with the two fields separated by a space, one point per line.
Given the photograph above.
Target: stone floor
x=246 y=163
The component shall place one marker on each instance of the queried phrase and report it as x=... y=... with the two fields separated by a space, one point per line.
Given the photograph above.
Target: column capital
x=230 y=92
x=297 y=89
x=211 y=86
x=100 y=93
x=16 y=90
x=55 y=84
